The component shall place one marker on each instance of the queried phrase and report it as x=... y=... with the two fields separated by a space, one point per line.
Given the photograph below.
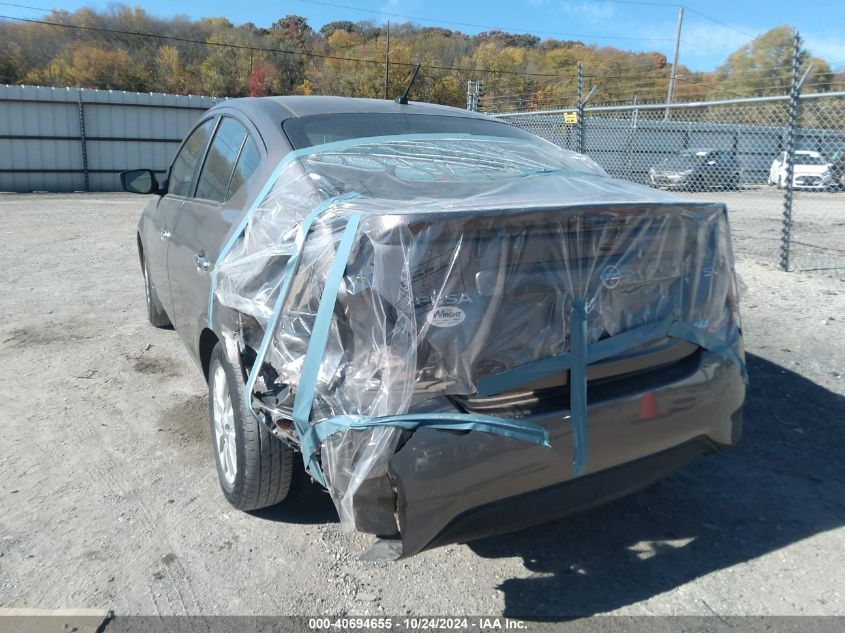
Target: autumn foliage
x=213 y=56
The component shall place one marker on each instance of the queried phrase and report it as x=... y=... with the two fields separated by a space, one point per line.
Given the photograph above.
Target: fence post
x=82 y=142
x=473 y=92
x=629 y=154
x=580 y=143
x=794 y=102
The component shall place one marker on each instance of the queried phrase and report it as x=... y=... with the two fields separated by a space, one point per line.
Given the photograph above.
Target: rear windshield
x=317 y=129
x=489 y=151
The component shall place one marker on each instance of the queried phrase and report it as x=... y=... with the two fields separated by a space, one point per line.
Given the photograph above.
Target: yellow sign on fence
x=570 y=117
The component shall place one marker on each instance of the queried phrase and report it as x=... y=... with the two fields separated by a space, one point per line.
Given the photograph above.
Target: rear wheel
x=253 y=466
x=155 y=311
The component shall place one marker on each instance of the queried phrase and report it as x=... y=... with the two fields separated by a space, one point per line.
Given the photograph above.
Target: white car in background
x=810 y=171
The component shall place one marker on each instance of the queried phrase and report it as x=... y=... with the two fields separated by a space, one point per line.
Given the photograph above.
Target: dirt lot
x=818 y=226
x=110 y=500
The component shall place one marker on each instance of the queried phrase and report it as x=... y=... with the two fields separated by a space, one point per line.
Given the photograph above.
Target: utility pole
x=387 y=62
x=674 y=62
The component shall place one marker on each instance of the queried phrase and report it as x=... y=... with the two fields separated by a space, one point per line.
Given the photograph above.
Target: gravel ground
x=110 y=499
x=818 y=227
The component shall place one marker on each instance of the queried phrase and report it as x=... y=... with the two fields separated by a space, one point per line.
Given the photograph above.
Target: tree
x=346 y=58
x=510 y=39
x=11 y=63
x=341 y=25
x=293 y=28
x=763 y=67
x=224 y=71
x=260 y=80
x=169 y=70
x=83 y=65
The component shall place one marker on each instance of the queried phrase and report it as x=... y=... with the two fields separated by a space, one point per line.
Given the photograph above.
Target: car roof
x=281 y=108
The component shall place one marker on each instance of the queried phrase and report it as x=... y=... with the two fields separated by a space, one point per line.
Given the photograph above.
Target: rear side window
x=247 y=163
x=182 y=174
x=220 y=162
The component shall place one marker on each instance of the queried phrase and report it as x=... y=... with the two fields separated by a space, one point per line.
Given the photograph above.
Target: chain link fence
x=736 y=151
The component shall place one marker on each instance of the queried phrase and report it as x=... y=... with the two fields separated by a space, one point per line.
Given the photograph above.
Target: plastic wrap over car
x=385 y=284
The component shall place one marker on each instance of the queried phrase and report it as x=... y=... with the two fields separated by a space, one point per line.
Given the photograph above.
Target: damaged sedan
x=459 y=328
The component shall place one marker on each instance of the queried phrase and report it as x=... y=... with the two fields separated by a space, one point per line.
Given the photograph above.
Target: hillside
x=126 y=48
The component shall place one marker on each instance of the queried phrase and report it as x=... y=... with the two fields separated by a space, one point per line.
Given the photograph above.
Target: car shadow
x=783 y=483
x=307 y=502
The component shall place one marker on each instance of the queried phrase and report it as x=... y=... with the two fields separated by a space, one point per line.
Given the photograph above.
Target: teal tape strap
x=317 y=149
x=611 y=346
x=238 y=231
x=316 y=434
x=312 y=435
x=320 y=330
x=606 y=348
x=578 y=386
x=287 y=278
x=624 y=342
x=524 y=374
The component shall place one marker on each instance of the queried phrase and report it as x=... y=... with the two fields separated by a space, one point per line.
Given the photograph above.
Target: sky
x=711 y=29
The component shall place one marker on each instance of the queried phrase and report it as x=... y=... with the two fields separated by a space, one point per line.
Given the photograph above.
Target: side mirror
x=139 y=181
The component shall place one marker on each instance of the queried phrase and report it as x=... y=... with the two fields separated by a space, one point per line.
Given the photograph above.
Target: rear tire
x=254 y=467
x=155 y=311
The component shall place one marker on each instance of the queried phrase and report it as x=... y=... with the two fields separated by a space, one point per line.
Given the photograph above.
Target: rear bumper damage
x=438 y=332
x=444 y=487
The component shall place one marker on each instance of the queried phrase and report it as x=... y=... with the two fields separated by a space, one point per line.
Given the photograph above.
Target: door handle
x=164 y=234
x=203 y=265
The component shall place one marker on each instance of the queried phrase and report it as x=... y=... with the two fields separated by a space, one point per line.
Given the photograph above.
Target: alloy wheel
x=225 y=440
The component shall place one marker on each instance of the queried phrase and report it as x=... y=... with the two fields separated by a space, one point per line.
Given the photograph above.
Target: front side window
x=220 y=161
x=182 y=174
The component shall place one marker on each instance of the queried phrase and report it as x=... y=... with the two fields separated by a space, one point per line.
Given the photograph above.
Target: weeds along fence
x=77 y=139
x=784 y=162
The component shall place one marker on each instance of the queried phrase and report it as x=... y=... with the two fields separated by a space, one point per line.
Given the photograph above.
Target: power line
x=643 y=3
x=678 y=5
x=25 y=6
x=719 y=22
x=279 y=50
x=626 y=2
x=529 y=31
x=524 y=30
x=661 y=73
x=485 y=26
